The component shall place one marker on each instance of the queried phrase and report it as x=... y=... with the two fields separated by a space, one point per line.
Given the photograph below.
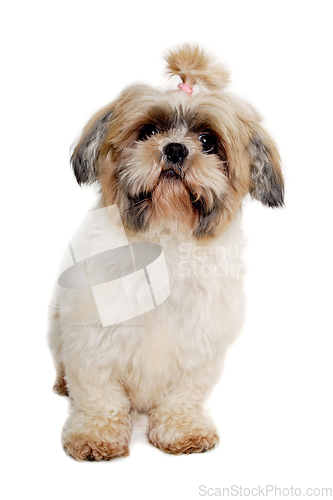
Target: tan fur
x=172 y=202
x=60 y=386
x=233 y=121
x=186 y=432
x=88 y=447
x=107 y=438
x=193 y=66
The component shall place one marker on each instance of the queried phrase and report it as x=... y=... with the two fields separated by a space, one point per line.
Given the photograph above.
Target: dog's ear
x=267 y=183
x=86 y=151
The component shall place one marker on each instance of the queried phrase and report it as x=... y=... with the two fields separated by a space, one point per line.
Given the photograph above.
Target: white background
x=61 y=62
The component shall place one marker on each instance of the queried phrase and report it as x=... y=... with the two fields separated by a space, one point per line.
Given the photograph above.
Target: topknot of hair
x=193 y=65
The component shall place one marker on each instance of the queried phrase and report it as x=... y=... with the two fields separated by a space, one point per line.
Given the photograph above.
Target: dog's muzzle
x=175 y=154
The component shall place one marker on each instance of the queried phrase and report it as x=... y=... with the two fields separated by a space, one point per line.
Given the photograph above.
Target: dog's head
x=173 y=159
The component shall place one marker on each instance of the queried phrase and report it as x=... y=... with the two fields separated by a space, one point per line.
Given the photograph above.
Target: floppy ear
x=86 y=152
x=266 y=177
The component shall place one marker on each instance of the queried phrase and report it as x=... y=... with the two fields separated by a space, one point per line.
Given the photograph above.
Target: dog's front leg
x=99 y=425
x=184 y=427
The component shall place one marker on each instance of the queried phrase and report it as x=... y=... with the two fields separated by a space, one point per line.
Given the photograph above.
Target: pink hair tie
x=187 y=88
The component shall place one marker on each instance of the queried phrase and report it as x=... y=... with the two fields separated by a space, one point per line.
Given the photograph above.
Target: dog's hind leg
x=54 y=338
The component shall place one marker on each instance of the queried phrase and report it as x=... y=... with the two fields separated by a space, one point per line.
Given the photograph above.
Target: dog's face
x=173 y=160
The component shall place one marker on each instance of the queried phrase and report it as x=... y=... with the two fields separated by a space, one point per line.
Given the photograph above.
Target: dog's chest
x=205 y=290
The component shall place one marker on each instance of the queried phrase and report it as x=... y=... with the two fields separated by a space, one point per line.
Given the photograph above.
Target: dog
x=177 y=165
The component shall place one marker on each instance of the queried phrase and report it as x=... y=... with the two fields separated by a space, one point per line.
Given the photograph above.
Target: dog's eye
x=147 y=131
x=208 y=143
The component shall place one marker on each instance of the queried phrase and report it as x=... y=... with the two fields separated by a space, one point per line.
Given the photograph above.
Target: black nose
x=175 y=152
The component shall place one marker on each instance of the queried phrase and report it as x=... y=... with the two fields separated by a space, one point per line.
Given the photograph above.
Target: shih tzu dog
x=176 y=164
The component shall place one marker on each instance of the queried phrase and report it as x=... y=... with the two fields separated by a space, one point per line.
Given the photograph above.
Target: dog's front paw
x=185 y=443
x=182 y=434
x=99 y=438
x=89 y=447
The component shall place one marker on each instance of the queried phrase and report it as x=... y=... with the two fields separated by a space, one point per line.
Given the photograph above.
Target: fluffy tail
x=193 y=66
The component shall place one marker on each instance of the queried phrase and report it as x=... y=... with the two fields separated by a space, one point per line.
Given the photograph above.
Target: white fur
x=165 y=361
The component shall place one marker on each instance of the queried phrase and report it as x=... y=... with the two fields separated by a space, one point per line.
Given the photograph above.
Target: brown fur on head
x=169 y=159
